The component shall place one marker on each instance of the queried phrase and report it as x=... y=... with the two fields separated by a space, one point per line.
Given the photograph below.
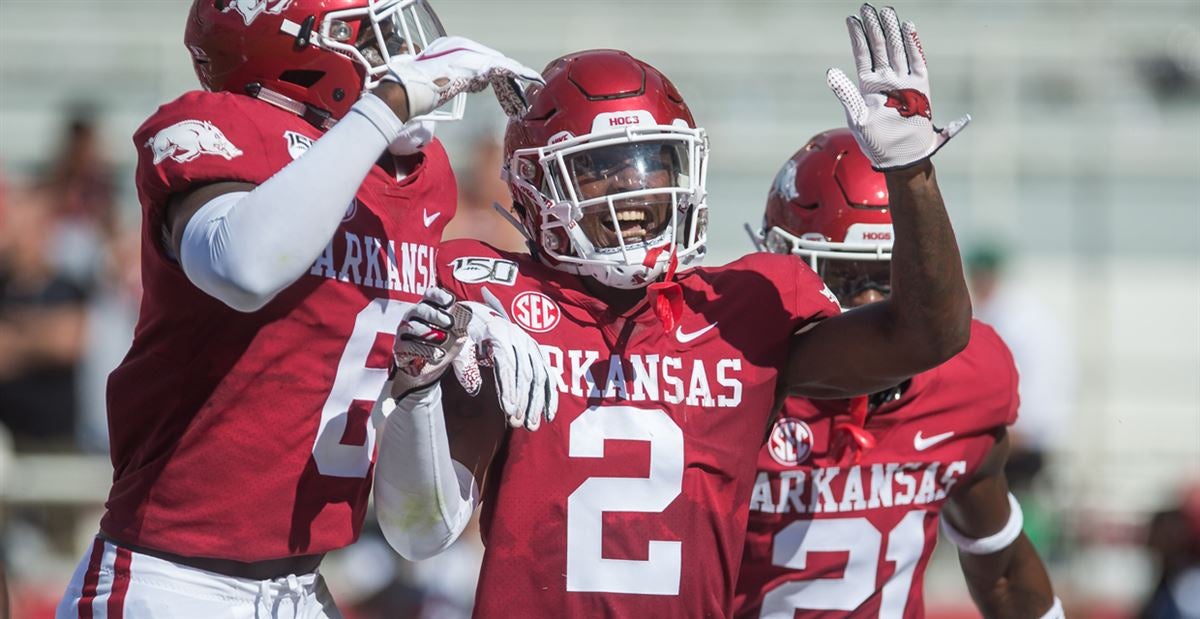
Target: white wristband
x=1056 y=611
x=992 y=543
x=380 y=114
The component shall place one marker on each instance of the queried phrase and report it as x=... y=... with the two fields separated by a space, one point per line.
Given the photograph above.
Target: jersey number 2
x=587 y=569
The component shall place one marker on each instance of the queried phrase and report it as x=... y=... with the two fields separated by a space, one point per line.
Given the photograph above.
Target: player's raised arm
x=1003 y=571
x=927 y=318
x=243 y=243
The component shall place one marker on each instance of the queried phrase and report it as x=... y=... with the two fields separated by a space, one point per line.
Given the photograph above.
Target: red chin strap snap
x=853 y=439
x=666 y=297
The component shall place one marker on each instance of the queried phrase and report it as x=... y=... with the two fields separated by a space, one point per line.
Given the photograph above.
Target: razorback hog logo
x=251 y=9
x=909 y=102
x=188 y=139
x=785 y=182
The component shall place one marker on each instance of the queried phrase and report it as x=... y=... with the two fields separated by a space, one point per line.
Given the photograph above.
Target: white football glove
x=889 y=111
x=433 y=336
x=525 y=385
x=450 y=66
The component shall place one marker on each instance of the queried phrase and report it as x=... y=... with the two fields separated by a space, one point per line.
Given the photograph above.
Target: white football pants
x=112 y=582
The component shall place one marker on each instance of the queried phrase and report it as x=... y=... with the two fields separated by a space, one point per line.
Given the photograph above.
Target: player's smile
x=614 y=171
x=639 y=220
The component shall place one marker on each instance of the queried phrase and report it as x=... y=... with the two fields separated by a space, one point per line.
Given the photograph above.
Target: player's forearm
x=1010 y=584
x=243 y=248
x=929 y=303
x=423 y=498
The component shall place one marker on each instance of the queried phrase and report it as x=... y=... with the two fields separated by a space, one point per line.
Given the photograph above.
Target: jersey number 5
x=587 y=569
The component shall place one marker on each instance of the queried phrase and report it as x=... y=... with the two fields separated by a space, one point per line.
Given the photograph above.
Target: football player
x=633 y=503
x=291 y=213
x=849 y=492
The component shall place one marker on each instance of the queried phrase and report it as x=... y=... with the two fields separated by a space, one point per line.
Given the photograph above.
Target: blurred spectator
x=80 y=184
x=478 y=189
x=5 y=471
x=1042 y=355
x=449 y=579
x=373 y=582
x=78 y=177
x=41 y=328
x=1174 y=540
x=111 y=315
x=368 y=580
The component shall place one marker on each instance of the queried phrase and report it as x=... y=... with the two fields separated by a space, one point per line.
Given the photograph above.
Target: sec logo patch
x=535 y=311
x=791 y=442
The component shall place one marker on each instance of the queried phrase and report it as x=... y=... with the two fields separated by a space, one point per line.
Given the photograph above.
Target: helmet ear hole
x=302 y=77
x=555 y=241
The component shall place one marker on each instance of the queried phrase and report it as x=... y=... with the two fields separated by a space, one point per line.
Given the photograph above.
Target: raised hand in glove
x=440 y=333
x=450 y=66
x=431 y=338
x=889 y=110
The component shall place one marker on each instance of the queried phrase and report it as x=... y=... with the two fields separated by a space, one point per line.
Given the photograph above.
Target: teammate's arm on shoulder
x=1011 y=582
x=925 y=321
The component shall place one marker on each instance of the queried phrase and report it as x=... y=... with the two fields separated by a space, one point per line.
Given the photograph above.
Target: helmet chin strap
x=851 y=436
x=315 y=117
x=851 y=433
x=666 y=297
x=513 y=221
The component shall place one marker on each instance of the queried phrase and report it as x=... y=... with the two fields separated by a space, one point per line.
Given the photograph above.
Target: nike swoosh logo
x=429 y=219
x=921 y=443
x=684 y=338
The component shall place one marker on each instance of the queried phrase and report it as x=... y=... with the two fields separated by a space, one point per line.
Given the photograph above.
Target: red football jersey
x=830 y=538
x=632 y=503
x=246 y=436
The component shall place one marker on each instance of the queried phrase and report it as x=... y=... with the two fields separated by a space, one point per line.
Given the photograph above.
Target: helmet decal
x=251 y=9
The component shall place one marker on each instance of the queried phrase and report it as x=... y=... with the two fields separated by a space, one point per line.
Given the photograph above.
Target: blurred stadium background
x=1075 y=194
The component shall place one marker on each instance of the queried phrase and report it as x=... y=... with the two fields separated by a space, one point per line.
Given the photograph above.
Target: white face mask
x=413 y=137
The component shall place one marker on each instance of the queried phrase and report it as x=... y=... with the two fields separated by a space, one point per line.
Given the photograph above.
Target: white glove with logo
x=432 y=337
x=889 y=111
x=524 y=383
x=450 y=66
x=440 y=333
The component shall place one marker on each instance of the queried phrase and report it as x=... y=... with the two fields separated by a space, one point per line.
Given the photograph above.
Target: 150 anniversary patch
x=482 y=270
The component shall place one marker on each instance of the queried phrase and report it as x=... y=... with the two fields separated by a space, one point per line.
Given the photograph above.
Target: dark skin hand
x=182 y=207
x=925 y=321
x=1011 y=583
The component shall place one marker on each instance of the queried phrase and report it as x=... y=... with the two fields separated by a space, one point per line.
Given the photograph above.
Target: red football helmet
x=607 y=170
x=827 y=204
x=312 y=57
